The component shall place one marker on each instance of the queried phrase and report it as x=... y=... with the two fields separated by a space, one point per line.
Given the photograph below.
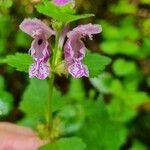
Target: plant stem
x=51 y=83
x=50 y=117
x=56 y=50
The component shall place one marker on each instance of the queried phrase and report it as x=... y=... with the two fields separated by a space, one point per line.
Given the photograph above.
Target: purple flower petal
x=61 y=2
x=78 y=70
x=35 y=27
x=85 y=30
x=39 y=70
x=74 y=49
x=40 y=49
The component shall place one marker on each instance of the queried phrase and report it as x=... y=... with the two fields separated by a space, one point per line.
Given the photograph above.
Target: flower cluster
x=74 y=48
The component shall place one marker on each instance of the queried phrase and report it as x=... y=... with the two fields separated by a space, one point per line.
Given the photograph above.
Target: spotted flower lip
x=39 y=50
x=74 y=49
x=62 y=2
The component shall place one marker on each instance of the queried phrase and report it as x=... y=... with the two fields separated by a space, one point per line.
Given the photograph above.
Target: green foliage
x=6 y=3
x=102 y=83
x=123 y=7
x=122 y=67
x=6 y=103
x=4 y=32
x=19 y=61
x=96 y=63
x=6 y=100
x=2 y=84
x=71 y=143
x=22 y=39
x=62 y=14
x=137 y=145
x=34 y=102
x=80 y=120
x=98 y=131
x=76 y=86
x=118 y=40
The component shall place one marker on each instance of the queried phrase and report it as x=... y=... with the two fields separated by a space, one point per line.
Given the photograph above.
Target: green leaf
x=96 y=63
x=19 y=61
x=98 y=131
x=35 y=99
x=137 y=145
x=72 y=143
x=123 y=7
x=102 y=83
x=22 y=39
x=6 y=103
x=129 y=67
x=59 y=13
x=76 y=86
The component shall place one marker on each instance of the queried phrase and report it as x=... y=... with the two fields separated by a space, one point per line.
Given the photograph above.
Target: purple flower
x=74 y=49
x=61 y=2
x=39 y=50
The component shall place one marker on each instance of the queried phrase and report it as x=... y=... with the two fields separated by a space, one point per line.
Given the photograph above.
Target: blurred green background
x=124 y=86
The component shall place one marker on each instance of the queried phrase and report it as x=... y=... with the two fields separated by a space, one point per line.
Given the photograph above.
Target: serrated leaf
x=72 y=143
x=19 y=61
x=35 y=99
x=96 y=63
x=59 y=13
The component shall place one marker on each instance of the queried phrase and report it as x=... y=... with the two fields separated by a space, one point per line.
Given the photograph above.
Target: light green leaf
x=76 y=86
x=59 y=13
x=19 y=61
x=122 y=67
x=72 y=143
x=6 y=103
x=123 y=7
x=102 y=83
x=96 y=63
x=120 y=47
x=137 y=145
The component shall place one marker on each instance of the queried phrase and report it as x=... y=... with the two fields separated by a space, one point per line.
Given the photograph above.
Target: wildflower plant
x=67 y=56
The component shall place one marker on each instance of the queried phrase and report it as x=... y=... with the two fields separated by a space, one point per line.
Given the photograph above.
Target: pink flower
x=39 y=50
x=74 y=49
x=61 y=2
